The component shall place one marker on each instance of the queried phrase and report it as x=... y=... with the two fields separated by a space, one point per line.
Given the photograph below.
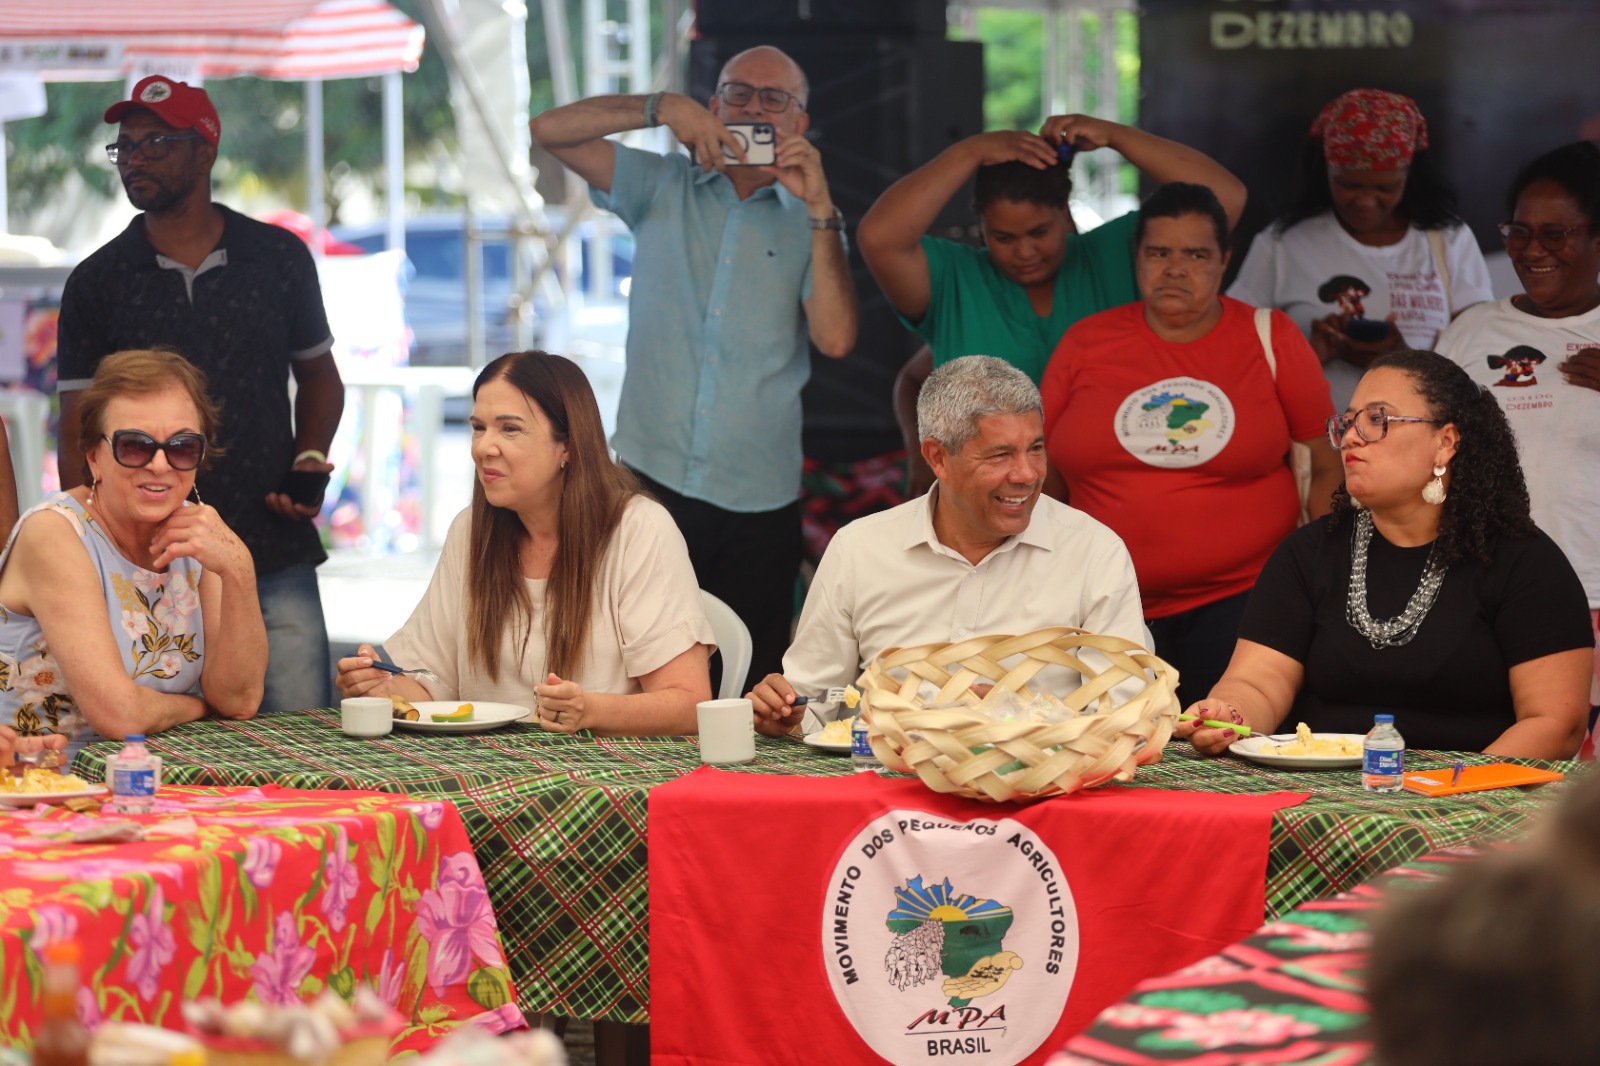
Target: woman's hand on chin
x=560 y=705
x=1206 y=740
x=199 y=533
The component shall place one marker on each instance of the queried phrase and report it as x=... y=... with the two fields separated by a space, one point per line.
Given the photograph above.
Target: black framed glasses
x=1372 y=425
x=135 y=448
x=737 y=94
x=1552 y=238
x=154 y=147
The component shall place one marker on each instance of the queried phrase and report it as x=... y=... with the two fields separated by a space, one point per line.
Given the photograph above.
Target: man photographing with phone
x=240 y=300
x=736 y=266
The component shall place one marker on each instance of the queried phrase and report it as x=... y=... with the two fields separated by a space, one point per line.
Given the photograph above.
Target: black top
x=1449 y=688
x=255 y=305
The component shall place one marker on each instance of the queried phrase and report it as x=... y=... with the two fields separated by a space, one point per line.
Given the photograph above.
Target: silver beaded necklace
x=1387 y=632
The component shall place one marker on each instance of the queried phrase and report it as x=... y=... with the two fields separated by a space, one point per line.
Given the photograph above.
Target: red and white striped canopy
x=290 y=40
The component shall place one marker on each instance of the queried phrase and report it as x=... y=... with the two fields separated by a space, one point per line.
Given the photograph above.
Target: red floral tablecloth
x=264 y=893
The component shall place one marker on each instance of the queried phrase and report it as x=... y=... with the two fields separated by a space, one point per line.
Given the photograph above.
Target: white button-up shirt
x=886 y=581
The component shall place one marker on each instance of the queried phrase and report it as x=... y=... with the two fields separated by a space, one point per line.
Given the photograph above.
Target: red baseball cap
x=177 y=103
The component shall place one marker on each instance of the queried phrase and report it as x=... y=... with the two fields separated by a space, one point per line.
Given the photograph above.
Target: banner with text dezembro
x=866 y=918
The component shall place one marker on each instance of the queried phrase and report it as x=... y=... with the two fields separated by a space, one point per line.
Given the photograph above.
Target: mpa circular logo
x=156 y=92
x=1176 y=423
x=950 y=941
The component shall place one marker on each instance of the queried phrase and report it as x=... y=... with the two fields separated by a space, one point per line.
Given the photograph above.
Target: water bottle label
x=859 y=745
x=133 y=782
x=1386 y=762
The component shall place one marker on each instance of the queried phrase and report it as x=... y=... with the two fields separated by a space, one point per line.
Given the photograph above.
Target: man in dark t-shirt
x=239 y=299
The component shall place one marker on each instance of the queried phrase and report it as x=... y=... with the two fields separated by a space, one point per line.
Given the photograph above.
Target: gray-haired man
x=982 y=552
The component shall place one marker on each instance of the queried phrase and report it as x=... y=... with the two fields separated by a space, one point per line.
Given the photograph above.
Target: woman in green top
x=1034 y=276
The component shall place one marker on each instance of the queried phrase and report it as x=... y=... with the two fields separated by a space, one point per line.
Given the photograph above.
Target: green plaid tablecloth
x=558 y=825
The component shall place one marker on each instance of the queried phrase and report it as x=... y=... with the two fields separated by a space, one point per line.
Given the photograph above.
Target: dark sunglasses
x=135 y=448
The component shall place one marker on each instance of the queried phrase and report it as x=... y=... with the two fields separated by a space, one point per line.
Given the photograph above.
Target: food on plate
x=402 y=708
x=326 y=1029
x=837 y=732
x=462 y=713
x=1305 y=743
x=38 y=780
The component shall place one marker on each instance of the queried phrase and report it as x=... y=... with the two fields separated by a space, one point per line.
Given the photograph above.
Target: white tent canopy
x=286 y=40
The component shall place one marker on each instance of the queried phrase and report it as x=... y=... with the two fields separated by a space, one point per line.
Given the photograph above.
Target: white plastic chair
x=733 y=641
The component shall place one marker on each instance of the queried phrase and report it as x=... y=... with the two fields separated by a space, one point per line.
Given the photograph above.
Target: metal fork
x=389 y=668
x=47 y=759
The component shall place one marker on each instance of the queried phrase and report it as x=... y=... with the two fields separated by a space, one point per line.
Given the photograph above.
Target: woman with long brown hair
x=562 y=587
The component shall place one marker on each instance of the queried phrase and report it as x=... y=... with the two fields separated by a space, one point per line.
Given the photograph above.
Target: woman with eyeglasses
x=1539 y=352
x=1169 y=421
x=1428 y=593
x=1371 y=254
x=124 y=607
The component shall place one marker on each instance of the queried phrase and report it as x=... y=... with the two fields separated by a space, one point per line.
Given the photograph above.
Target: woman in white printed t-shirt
x=1538 y=353
x=1371 y=255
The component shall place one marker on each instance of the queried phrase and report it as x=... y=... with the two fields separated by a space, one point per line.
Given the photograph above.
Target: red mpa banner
x=868 y=918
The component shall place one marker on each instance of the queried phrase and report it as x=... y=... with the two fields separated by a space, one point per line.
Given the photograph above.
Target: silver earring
x=195 y=490
x=1433 y=491
x=92 y=484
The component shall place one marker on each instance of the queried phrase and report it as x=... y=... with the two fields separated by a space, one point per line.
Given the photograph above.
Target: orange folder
x=1477 y=778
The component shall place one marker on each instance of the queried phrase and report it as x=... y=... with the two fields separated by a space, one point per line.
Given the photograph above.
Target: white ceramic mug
x=366 y=716
x=727 y=731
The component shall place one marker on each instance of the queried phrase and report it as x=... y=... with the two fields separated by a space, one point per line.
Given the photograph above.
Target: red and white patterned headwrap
x=1369 y=129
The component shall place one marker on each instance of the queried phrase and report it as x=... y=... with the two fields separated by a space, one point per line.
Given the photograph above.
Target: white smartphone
x=759 y=141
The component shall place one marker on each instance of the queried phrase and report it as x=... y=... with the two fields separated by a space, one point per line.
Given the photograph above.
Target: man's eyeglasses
x=737 y=94
x=134 y=449
x=1372 y=425
x=1553 y=238
x=156 y=146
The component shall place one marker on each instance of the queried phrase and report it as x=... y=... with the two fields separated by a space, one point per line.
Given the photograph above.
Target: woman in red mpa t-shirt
x=1170 y=424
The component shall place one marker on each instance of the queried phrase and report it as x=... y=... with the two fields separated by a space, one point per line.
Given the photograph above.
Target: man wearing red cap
x=239 y=299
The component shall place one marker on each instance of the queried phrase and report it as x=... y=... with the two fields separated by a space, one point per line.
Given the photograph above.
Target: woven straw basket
x=958 y=750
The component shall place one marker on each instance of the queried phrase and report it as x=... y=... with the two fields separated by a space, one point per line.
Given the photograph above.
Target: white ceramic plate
x=1260 y=749
x=816 y=741
x=29 y=799
x=485 y=716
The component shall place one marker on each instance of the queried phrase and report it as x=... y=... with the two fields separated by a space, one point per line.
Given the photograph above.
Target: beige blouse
x=647 y=612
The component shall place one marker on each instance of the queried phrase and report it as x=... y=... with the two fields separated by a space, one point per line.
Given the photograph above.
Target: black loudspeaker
x=880 y=107
x=718 y=17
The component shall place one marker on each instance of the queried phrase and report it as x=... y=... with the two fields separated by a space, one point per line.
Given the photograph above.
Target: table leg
x=621 y=1044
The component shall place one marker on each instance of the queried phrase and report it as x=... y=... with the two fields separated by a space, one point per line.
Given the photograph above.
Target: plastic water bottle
x=133 y=778
x=1383 y=756
x=861 y=754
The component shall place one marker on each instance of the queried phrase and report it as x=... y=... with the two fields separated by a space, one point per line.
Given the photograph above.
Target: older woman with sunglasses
x=1539 y=352
x=123 y=608
x=1428 y=592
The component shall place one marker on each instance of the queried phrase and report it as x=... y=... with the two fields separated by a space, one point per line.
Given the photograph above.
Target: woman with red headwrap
x=1370 y=207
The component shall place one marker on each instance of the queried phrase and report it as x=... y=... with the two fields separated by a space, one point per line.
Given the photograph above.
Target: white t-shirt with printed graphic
x=1557 y=424
x=1287 y=270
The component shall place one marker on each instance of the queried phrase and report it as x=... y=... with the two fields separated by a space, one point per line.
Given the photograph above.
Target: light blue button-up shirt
x=717 y=341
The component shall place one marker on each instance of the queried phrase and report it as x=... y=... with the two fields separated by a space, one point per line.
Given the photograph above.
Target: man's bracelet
x=652 y=105
x=310 y=453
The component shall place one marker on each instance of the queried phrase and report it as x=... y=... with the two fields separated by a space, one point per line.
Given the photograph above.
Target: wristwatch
x=834 y=223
